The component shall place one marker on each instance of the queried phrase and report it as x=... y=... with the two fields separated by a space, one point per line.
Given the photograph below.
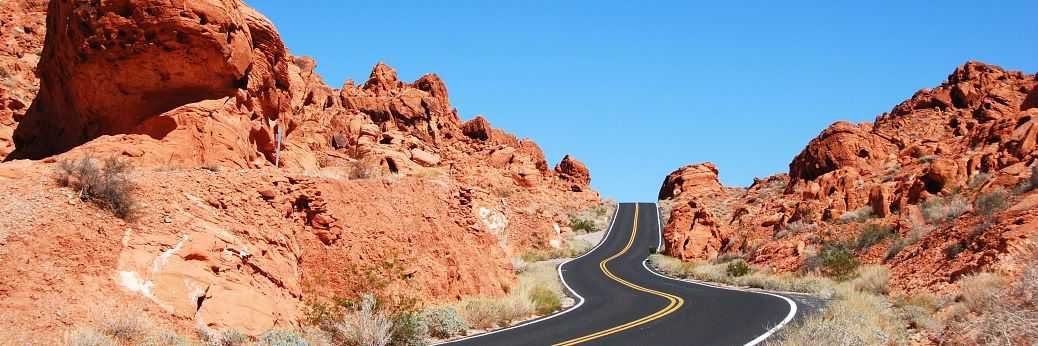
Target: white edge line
x=563 y=278
x=762 y=337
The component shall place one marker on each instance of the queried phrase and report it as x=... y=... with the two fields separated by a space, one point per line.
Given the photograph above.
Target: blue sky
x=636 y=89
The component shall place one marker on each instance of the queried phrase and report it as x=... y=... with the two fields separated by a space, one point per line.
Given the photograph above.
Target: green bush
x=989 y=203
x=838 y=262
x=409 y=330
x=444 y=322
x=737 y=268
x=544 y=300
x=582 y=225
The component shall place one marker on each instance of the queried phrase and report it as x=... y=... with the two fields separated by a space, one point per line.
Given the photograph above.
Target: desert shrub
x=582 y=225
x=1003 y=314
x=361 y=169
x=88 y=337
x=408 y=329
x=857 y=215
x=108 y=186
x=954 y=249
x=927 y=158
x=444 y=322
x=982 y=290
x=872 y=279
x=1029 y=183
x=838 y=262
x=281 y=338
x=479 y=312
x=851 y=318
x=573 y=247
x=916 y=233
x=669 y=265
x=212 y=337
x=872 y=235
x=126 y=326
x=794 y=228
x=544 y=300
x=991 y=202
x=366 y=326
x=592 y=219
x=737 y=268
x=938 y=209
x=978 y=180
x=167 y=338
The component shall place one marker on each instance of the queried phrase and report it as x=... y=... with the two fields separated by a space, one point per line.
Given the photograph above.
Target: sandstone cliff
x=927 y=172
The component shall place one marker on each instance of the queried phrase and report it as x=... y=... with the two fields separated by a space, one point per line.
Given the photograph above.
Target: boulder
x=575 y=172
x=694 y=179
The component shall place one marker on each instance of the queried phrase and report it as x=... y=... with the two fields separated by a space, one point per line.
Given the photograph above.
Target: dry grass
x=365 y=327
x=991 y=202
x=942 y=209
x=857 y=215
x=982 y=290
x=916 y=233
x=572 y=247
x=538 y=291
x=718 y=272
x=857 y=315
x=88 y=337
x=794 y=228
x=851 y=318
x=872 y=279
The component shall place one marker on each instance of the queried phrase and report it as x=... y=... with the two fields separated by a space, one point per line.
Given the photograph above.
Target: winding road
x=621 y=302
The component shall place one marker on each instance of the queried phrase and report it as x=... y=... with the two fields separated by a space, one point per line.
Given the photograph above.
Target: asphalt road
x=621 y=302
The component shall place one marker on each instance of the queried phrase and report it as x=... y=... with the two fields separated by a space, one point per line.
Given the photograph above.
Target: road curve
x=621 y=302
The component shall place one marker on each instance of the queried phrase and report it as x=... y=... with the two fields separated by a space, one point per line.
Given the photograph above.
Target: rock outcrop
x=974 y=134
x=21 y=44
x=263 y=188
x=697 y=179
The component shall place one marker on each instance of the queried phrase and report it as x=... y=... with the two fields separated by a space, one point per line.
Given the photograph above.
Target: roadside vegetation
x=990 y=308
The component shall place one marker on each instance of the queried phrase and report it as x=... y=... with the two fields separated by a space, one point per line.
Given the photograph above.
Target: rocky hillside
x=940 y=186
x=256 y=188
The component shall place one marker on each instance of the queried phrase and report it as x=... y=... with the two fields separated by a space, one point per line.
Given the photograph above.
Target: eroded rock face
x=697 y=179
x=23 y=25
x=973 y=134
x=841 y=145
x=574 y=171
x=117 y=64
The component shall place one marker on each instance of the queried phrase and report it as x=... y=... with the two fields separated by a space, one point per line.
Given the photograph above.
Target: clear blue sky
x=638 y=88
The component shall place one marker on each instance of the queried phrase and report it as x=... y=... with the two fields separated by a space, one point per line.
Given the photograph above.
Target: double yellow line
x=674 y=302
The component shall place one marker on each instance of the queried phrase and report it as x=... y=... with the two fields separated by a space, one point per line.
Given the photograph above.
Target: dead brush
x=107 y=185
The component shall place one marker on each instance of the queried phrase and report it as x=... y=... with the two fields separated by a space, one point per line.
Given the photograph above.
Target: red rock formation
x=574 y=171
x=975 y=133
x=365 y=174
x=178 y=54
x=23 y=23
x=697 y=179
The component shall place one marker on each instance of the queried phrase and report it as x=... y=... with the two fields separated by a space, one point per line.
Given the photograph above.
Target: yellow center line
x=674 y=302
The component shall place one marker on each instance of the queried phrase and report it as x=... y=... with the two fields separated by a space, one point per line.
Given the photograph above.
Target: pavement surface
x=621 y=302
